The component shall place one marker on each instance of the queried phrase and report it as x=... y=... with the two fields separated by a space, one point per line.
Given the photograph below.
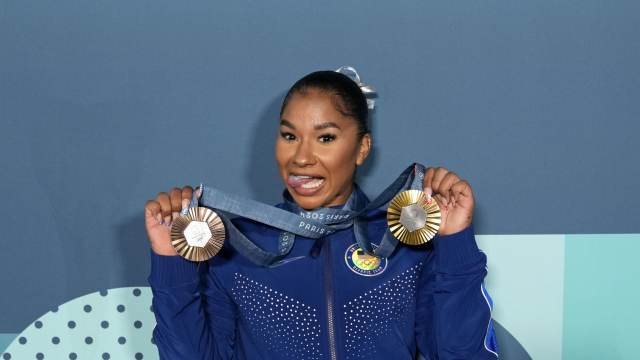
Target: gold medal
x=198 y=235
x=413 y=218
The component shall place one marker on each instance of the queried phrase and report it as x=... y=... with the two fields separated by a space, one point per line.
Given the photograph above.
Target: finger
x=428 y=178
x=152 y=212
x=437 y=179
x=444 y=212
x=165 y=206
x=442 y=204
x=438 y=200
x=187 y=194
x=445 y=185
x=462 y=189
x=176 y=202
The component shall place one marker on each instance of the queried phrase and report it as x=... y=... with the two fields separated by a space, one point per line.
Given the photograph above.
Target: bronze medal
x=198 y=235
x=413 y=218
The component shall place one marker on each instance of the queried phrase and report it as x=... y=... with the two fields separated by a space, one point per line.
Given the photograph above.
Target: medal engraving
x=413 y=218
x=198 y=235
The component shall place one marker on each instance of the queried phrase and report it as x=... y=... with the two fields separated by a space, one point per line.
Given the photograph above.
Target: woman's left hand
x=454 y=196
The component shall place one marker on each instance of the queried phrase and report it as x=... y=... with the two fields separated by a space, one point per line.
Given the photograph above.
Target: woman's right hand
x=159 y=215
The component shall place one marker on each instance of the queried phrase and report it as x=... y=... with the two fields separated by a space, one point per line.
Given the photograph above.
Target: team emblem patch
x=362 y=263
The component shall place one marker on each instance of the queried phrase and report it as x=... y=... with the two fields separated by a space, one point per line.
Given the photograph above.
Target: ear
x=365 y=148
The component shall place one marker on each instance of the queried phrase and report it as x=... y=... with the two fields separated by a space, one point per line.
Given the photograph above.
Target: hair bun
x=368 y=90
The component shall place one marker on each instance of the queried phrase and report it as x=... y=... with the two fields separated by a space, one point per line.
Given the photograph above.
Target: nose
x=304 y=154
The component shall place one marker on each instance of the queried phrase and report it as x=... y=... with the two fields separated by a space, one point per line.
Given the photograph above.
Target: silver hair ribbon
x=368 y=90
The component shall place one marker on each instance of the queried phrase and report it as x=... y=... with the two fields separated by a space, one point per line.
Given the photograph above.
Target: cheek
x=280 y=160
x=281 y=154
x=284 y=153
x=340 y=163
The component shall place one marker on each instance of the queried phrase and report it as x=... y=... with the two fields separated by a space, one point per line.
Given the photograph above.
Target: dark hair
x=348 y=100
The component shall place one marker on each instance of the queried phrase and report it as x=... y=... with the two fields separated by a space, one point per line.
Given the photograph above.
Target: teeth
x=301 y=176
x=313 y=184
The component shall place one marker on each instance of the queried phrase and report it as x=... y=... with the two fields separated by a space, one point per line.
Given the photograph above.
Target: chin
x=307 y=203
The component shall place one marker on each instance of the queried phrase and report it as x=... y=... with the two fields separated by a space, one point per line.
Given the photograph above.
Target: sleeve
x=453 y=309
x=187 y=325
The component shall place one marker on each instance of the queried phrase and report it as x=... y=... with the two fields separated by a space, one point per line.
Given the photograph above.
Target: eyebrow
x=325 y=125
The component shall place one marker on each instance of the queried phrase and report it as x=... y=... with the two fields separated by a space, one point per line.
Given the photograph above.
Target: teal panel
x=602 y=296
x=110 y=324
x=5 y=340
x=525 y=280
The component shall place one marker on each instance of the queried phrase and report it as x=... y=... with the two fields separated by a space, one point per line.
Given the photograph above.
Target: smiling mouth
x=305 y=183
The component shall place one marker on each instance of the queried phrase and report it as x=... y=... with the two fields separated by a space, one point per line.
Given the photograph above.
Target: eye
x=327 y=138
x=287 y=136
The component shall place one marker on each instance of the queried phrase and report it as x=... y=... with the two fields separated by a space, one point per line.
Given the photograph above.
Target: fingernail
x=159 y=218
x=429 y=192
x=185 y=206
x=175 y=215
x=167 y=219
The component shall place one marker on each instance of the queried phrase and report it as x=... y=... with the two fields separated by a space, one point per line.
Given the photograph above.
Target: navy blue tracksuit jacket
x=326 y=300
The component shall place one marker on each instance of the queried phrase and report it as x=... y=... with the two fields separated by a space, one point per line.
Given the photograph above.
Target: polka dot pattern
x=109 y=324
x=286 y=325
x=370 y=316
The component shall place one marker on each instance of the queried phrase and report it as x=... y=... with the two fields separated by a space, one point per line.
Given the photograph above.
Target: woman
x=328 y=299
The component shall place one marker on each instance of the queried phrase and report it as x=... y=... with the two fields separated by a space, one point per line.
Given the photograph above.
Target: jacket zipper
x=328 y=290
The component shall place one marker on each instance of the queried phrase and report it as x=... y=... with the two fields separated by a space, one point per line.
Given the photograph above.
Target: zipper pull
x=316 y=249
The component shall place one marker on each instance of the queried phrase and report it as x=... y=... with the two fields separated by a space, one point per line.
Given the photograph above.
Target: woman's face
x=318 y=149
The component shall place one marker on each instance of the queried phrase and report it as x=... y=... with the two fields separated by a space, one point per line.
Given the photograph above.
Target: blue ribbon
x=314 y=224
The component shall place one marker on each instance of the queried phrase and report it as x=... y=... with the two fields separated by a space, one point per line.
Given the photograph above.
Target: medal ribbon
x=314 y=224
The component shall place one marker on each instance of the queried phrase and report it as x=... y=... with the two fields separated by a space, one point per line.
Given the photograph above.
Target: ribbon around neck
x=292 y=220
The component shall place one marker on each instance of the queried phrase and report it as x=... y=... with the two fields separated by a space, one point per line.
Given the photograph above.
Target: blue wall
x=105 y=103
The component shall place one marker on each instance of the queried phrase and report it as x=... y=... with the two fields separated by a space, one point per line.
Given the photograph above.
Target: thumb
x=444 y=210
x=152 y=214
